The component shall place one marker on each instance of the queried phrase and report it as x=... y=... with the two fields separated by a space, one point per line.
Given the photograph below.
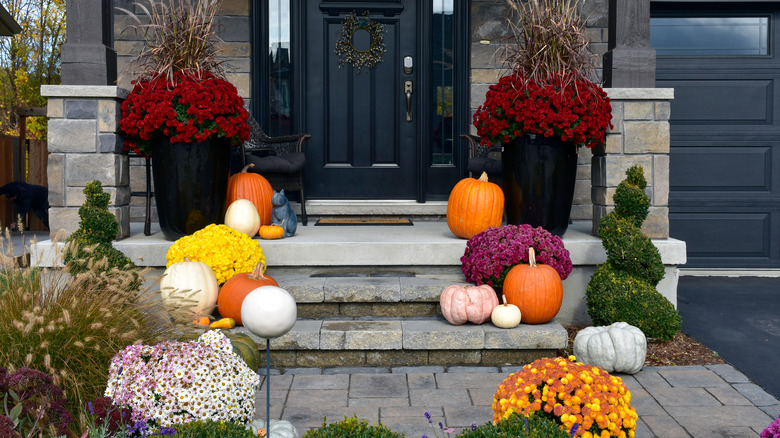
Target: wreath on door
x=345 y=47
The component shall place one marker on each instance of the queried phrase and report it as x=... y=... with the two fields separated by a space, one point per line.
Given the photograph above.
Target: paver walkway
x=685 y=401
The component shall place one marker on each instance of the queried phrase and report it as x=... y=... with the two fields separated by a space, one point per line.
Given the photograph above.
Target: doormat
x=364 y=221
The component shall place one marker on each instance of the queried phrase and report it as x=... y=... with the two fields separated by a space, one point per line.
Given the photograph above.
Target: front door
x=363 y=121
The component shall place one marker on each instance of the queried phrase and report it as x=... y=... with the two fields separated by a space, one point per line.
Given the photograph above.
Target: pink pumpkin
x=460 y=304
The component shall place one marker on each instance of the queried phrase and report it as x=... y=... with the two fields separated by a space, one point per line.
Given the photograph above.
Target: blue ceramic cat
x=282 y=214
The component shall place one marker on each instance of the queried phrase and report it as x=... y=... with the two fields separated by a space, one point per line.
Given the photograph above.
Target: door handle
x=408 y=92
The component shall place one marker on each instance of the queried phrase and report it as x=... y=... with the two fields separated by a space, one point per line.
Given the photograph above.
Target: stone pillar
x=88 y=57
x=85 y=145
x=640 y=117
x=629 y=61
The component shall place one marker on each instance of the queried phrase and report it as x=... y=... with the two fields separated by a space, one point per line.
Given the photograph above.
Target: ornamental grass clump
x=70 y=326
x=177 y=382
x=491 y=254
x=623 y=288
x=572 y=394
x=181 y=92
x=550 y=89
x=228 y=252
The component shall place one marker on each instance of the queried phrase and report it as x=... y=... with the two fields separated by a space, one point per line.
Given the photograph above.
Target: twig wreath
x=346 y=50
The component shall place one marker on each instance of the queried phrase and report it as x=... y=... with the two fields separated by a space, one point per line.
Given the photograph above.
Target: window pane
x=279 y=67
x=710 y=35
x=443 y=76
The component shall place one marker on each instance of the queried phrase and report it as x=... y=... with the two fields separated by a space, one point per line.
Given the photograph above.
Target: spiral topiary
x=623 y=288
x=92 y=240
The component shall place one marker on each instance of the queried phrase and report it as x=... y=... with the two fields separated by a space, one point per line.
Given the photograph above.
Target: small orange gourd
x=474 y=206
x=271 y=232
x=252 y=186
x=536 y=290
x=233 y=292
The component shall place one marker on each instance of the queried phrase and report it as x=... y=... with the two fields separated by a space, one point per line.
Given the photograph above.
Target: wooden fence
x=26 y=164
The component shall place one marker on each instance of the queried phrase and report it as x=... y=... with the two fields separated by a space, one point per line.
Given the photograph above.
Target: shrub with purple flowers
x=492 y=253
x=177 y=382
x=773 y=430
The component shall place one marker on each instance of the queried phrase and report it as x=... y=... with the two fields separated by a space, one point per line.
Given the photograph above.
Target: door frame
x=432 y=182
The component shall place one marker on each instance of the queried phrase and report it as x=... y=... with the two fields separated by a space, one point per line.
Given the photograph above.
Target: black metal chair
x=483 y=159
x=280 y=160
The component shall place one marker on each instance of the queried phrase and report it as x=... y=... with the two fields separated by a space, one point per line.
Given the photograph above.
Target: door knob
x=408 y=92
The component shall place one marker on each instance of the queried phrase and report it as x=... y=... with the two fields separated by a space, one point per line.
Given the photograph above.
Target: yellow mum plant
x=570 y=393
x=227 y=251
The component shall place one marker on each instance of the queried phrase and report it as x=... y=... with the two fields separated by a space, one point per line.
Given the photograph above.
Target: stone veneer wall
x=84 y=145
x=640 y=135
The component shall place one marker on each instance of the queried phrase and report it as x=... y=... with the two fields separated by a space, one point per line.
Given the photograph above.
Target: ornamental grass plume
x=492 y=253
x=570 y=393
x=228 y=252
x=70 y=326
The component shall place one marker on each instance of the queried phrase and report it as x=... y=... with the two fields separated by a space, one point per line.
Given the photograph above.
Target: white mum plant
x=178 y=382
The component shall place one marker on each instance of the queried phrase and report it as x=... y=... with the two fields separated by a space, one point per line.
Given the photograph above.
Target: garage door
x=722 y=62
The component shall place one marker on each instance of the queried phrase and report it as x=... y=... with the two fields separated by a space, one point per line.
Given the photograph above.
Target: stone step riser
x=410 y=342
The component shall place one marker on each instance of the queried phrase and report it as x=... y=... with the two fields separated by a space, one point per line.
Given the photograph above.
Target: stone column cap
x=640 y=93
x=94 y=91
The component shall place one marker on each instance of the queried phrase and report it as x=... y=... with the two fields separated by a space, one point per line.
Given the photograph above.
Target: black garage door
x=722 y=61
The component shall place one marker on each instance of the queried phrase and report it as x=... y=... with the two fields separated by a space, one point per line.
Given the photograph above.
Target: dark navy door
x=363 y=123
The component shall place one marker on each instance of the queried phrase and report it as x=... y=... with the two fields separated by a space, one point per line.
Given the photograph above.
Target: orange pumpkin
x=271 y=232
x=233 y=292
x=474 y=206
x=252 y=186
x=536 y=289
x=460 y=304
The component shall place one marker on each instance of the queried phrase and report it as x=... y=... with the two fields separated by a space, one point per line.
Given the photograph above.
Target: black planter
x=539 y=176
x=190 y=184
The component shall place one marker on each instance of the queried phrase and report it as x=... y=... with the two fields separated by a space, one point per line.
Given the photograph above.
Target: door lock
x=408 y=92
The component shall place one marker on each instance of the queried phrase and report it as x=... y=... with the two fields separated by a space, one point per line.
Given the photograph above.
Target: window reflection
x=279 y=67
x=710 y=35
x=443 y=77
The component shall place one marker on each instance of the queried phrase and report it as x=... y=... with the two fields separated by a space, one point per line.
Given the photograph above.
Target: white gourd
x=619 y=347
x=189 y=283
x=241 y=215
x=506 y=315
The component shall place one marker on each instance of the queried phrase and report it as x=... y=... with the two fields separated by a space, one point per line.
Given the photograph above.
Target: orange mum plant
x=582 y=398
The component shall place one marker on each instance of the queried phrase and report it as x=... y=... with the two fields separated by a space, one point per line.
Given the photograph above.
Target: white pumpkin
x=242 y=216
x=278 y=429
x=189 y=283
x=268 y=311
x=506 y=315
x=619 y=347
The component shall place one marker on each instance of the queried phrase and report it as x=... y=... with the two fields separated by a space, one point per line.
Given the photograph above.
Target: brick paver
x=686 y=402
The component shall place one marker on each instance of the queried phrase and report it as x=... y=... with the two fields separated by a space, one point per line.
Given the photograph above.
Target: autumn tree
x=30 y=59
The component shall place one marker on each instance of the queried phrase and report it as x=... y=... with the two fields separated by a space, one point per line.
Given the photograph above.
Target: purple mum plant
x=773 y=430
x=492 y=253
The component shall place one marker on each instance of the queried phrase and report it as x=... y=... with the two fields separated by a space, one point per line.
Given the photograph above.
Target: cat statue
x=282 y=214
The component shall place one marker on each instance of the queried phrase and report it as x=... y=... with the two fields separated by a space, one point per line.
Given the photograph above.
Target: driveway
x=739 y=318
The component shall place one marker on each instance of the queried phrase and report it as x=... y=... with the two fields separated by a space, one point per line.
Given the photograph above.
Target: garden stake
x=268 y=384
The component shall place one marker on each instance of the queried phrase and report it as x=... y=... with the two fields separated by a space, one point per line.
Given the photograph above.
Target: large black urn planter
x=190 y=184
x=539 y=175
